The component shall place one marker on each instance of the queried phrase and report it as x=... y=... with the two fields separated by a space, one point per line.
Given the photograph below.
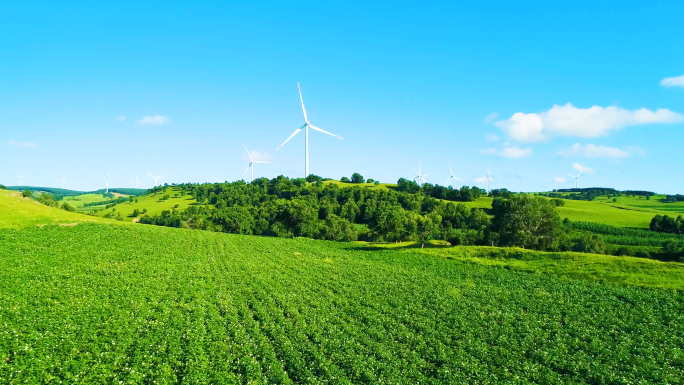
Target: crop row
x=99 y=303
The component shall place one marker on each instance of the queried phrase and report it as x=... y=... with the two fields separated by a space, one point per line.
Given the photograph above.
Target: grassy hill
x=110 y=304
x=153 y=203
x=19 y=212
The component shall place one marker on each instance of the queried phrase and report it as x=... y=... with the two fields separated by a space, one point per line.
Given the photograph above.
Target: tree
x=313 y=178
x=589 y=243
x=527 y=221
x=392 y=224
x=345 y=179
x=26 y=194
x=427 y=227
x=236 y=220
x=370 y=180
x=357 y=178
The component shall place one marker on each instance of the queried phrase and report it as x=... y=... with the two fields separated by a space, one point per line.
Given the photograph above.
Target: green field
x=145 y=304
x=152 y=203
x=18 y=212
x=79 y=201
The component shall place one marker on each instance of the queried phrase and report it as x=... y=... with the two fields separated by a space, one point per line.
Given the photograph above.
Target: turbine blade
x=490 y=179
x=295 y=133
x=447 y=181
x=248 y=154
x=259 y=161
x=243 y=174
x=457 y=178
x=302 y=100
x=450 y=172
x=325 y=132
x=579 y=174
x=571 y=176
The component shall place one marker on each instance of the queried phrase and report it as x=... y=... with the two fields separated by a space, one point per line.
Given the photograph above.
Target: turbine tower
x=63 y=180
x=487 y=178
x=251 y=163
x=156 y=178
x=306 y=126
x=21 y=177
x=106 y=175
x=451 y=177
x=420 y=176
x=575 y=177
x=136 y=181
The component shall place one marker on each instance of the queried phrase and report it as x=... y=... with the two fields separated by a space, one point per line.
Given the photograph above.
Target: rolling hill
x=19 y=212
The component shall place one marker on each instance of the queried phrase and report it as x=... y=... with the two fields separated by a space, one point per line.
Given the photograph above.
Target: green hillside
x=153 y=203
x=147 y=304
x=18 y=212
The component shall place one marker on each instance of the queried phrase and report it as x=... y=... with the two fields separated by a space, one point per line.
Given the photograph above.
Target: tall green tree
x=527 y=221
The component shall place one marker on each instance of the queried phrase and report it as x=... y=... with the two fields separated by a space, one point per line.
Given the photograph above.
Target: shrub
x=68 y=207
x=26 y=194
x=357 y=178
x=345 y=179
x=588 y=243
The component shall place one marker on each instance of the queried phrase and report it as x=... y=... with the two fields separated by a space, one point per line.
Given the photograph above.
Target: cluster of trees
x=674 y=198
x=463 y=194
x=589 y=194
x=108 y=202
x=667 y=224
x=286 y=207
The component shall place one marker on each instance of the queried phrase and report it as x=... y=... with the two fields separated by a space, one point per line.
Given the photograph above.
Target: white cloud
x=492 y=137
x=22 y=144
x=569 y=120
x=122 y=118
x=580 y=168
x=677 y=81
x=156 y=120
x=490 y=118
x=559 y=179
x=593 y=151
x=508 y=152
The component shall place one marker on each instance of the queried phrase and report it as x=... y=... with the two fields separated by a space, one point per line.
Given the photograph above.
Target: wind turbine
x=63 y=180
x=487 y=178
x=156 y=178
x=575 y=177
x=136 y=181
x=306 y=126
x=452 y=177
x=107 y=179
x=420 y=176
x=251 y=162
x=20 y=178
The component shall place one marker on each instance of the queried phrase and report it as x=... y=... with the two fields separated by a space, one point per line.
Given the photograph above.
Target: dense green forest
x=668 y=224
x=589 y=194
x=285 y=207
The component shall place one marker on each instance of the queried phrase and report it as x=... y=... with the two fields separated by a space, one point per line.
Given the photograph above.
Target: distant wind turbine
x=420 y=176
x=487 y=178
x=136 y=181
x=451 y=177
x=575 y=177
x=218 y=180
x=306 y=126
x=63 y=180
x=156 y=178
x=251 y=163
x=106 y=175
x=21 y=177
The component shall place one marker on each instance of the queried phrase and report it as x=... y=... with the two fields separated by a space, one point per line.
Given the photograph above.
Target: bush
x=68 y=207
x=345 y=179
x=26 y=194
x=558 y=202
x=588 y=243
x=624 y=252
x=370 y=180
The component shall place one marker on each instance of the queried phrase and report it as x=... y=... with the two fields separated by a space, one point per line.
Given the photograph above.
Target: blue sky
x=537 y=92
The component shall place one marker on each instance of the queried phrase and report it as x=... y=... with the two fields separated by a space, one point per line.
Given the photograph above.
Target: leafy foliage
x=141 y=304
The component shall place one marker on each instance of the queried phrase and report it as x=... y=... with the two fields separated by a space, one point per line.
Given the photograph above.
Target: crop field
x=18 y=212
x=656 y=203
x=100 y=303
x=152 y=203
